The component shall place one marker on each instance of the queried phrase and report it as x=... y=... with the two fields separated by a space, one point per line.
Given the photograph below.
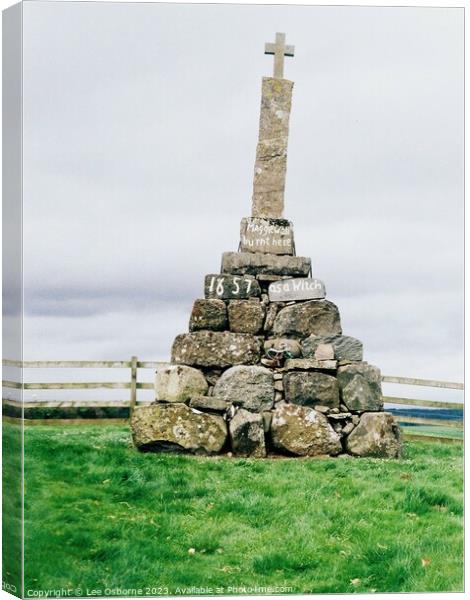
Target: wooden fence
x=133 y=385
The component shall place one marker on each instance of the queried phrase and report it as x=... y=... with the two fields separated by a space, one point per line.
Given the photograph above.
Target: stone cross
x=279 y=49
x=271 y=152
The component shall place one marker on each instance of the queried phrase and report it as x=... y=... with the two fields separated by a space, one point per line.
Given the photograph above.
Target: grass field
x=11 y=508
x=100 y=515
x=435 y=431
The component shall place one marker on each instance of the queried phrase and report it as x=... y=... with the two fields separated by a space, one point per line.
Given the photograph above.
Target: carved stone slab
x=272 y=236
x=303 y=288
x=231 y=286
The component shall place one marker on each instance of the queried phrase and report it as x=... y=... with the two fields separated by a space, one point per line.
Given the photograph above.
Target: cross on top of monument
x=279 y=49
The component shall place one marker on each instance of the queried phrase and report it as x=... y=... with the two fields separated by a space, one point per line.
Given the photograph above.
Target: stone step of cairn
x=265 y=367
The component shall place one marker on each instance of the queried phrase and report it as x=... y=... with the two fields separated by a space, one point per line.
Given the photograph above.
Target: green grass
x=435 y=431
x=101 y=515
x=11 y=508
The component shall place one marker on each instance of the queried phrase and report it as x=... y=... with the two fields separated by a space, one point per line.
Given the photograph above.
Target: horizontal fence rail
x=86 y=385
x=422 y=403
x=450 y=385
x=77 y=364
x=124 y=406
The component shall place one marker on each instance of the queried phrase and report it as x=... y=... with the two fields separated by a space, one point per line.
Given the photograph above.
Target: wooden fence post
x=133 y=385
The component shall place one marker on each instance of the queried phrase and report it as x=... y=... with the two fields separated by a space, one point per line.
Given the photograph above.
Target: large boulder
x=176 y=427
x=309 y=388
x=245 y=316
x=247 y=434
x=377 y=434
x=345 y=347
x=242 y=263
x=208 y=314
x=249 y=387
x=318 y=317
x=303 y=431
x=215 y=349
x=178 y=383
x=360 y=387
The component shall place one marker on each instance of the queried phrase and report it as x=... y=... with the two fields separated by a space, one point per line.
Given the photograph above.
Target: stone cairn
x=265 y=367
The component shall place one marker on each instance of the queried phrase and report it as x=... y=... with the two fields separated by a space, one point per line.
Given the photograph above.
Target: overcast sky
x=140 y=131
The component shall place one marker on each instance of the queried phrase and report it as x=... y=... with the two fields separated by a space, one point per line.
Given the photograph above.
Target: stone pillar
x=271 y=152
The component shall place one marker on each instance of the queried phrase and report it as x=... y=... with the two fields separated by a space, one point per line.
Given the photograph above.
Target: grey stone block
x=360 y=387
x=248 y=263
x=303 y=431
x=209 y=403
x=377 y=434
x=311 y=388
x=247 y=434
x=177 y=383
x=309 y=364
x=345 y=347
x=249 y=387
x=208 y=314
x=317 y=317
x=215 y=349
x=246 y=316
